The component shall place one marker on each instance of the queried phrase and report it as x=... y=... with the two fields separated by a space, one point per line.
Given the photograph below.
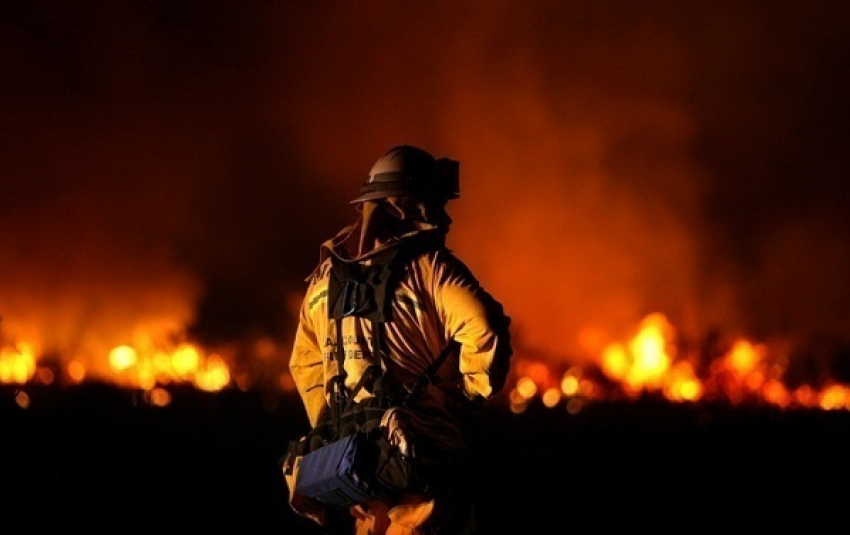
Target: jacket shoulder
x=319 y=272
x=447 y=265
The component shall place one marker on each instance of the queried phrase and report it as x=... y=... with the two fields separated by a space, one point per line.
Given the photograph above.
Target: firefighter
x=437 y=310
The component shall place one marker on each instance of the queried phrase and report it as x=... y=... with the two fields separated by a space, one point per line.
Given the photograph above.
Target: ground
x=97 y=457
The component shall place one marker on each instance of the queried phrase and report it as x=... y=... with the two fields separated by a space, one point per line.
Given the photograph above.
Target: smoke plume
x=175 y=165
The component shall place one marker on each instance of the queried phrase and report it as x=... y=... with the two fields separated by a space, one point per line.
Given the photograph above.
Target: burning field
x=656 y=191
x=654 y=361
x=650 y=432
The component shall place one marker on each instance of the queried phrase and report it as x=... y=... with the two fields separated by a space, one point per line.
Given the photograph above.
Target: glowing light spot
x=145 y=379
x=214 y=376
x=587 y=388
x=569 y=385
x=518 y=408
x=45 y=376
x=649 y=351
x=22 y=399
x=615 y=361
x=776 y=393
x=516 y=398
x=159 y=397
x=805 y=396
x=690 y=390
x=17 y=364
x=744 y=356
x=122 y=357
x=551 y=397
x=185 y=359
x=526 y=387
x=834 y=397
x=76 y=371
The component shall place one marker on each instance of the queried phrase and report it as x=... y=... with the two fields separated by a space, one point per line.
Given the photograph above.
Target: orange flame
x=148 y=369
x=650 y=362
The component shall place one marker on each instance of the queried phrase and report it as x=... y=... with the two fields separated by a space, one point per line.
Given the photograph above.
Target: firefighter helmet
x=410 y=171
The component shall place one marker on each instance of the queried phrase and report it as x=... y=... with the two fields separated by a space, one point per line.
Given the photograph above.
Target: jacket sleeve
x=473 y=318
x=305 y=362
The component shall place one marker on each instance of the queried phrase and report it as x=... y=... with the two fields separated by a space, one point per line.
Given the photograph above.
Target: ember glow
x=653 y=361
x=128 y=366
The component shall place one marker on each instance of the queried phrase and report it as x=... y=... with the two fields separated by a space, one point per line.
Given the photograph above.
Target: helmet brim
x=378 y=195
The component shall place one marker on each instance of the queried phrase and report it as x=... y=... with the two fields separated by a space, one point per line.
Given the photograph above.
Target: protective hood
x=386 y=224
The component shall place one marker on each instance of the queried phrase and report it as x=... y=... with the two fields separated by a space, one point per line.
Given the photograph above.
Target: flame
x=149 y=369
x=653 y=360
x=17 y=363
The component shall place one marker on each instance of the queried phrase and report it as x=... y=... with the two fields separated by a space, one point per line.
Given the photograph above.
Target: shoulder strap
x=413 y=389
x=367 y=291
x=362 y=290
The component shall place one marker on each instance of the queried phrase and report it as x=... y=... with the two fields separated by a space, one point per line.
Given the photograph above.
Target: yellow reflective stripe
x=316 y=297
x=402 y=296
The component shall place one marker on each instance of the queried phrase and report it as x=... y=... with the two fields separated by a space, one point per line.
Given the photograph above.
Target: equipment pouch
x=395 y=471
x=340 y=474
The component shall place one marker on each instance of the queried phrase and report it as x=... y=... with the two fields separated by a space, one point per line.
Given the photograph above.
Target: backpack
x=366 y=291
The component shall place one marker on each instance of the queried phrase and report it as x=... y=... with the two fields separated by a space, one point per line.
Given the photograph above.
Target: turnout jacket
x=437 y=301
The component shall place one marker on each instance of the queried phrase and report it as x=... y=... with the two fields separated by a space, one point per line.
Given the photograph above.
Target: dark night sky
x=175 y=164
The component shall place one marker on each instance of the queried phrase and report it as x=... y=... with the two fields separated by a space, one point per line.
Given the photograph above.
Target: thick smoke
x=177 y=165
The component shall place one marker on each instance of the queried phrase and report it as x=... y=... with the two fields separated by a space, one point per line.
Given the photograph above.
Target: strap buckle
x=349 y=298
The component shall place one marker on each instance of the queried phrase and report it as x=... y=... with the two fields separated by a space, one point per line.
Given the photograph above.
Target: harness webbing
x=367 y=291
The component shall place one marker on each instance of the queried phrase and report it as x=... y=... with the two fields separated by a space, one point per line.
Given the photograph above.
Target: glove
x=393 y=422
